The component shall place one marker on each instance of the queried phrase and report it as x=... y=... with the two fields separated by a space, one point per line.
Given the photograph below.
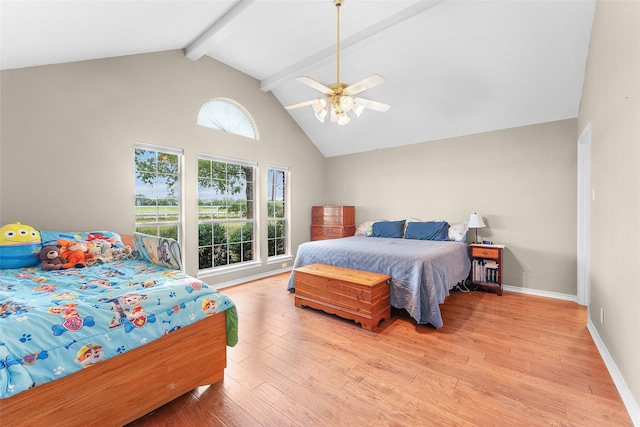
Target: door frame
x=585 y=195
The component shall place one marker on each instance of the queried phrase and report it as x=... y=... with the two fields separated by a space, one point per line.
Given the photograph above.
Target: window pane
x=204 y=168
x=219 y=233
x=157 y=192
x=220 y=254
x=152 y=230
x=168 y=231
x=167 y=186
x=226 y=198
x=276 y=212
x=228 y=116
x=205 y=235
x=167 y=163
x=205 y=257
x=145 y=160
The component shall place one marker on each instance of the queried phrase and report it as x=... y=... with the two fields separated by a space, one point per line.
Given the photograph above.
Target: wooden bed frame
x=121 y=389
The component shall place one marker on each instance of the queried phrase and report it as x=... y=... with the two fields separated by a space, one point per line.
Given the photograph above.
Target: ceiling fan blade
x=364 y=84
x=315 y=84
x=372 y=105
x=300 y=104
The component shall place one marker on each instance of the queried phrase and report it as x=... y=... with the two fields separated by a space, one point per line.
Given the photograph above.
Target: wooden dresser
x=332 y=222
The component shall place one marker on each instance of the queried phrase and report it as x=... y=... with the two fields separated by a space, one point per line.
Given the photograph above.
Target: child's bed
x=110 y=342
x=422 y=270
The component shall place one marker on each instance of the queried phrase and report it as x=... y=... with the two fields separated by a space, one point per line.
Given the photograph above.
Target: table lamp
x=475 y=221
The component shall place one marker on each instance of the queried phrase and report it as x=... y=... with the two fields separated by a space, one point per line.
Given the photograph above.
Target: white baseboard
x=627 y=398
x=540 y=293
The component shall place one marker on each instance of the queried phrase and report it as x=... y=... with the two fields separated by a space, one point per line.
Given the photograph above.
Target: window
x=277 y=211
x=157 y=190
x=226 y=219
x=228 y=116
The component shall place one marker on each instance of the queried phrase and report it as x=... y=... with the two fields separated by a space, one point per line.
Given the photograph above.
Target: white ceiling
x=452 y=67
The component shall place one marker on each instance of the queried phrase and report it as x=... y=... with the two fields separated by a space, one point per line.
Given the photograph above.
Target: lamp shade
x=475 y=221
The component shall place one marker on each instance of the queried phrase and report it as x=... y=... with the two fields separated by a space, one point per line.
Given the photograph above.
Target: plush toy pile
x=24 y=246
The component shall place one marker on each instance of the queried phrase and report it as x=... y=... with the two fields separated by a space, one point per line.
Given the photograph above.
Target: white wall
x=522 y=181
x=68 y=131
x=611 y=103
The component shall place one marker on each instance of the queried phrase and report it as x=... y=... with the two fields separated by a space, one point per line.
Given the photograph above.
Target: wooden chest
x=352 y=294
x=332 y=222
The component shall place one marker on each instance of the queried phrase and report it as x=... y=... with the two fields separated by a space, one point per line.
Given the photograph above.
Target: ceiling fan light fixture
x=343 y=119
x=320 y=109
x=333 y=116
x=346 y=103
x=340 y=96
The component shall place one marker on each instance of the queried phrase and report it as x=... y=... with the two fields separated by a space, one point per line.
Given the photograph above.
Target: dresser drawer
x=326 y=211
x=480 y=252
x=319 y=233
x=326 y=220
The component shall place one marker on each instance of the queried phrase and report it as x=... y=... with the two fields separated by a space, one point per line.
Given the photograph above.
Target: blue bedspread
x=53 y=323
x=422 y=271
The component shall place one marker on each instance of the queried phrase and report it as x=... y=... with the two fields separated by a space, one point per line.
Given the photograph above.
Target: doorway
x=584 y=216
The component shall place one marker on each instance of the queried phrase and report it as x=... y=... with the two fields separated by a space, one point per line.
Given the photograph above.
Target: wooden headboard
x=127 y=240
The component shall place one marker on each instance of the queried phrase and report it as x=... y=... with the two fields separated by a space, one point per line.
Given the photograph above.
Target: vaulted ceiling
x=451 y=67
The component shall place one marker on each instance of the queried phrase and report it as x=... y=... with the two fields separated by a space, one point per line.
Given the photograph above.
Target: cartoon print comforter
x=53 y=323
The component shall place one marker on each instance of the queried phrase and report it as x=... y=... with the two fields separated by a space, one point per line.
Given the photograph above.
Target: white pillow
x=458 y=232
x=363 y=229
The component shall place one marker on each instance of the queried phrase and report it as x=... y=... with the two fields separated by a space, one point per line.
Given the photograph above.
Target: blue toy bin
x=20 y=255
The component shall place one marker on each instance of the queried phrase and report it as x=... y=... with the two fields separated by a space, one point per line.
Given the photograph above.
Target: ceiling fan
x=340 y=97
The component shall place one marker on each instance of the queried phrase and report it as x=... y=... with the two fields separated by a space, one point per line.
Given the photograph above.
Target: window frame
x=227 y=268
x=286 y=214
x=214 y=114
x=179 y=223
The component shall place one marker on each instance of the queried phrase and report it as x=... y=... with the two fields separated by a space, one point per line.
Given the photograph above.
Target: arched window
x=228 y=116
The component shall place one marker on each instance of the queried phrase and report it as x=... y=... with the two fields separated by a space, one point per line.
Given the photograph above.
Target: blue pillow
x=430 y=230
x=392 y=229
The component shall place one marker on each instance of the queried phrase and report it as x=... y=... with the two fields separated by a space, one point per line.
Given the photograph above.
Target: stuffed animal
x=51 y=259
x=76 y=253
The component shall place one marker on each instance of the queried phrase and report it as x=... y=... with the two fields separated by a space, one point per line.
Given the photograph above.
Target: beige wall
x=68 y=132
x=611 y=103
x=522 y=181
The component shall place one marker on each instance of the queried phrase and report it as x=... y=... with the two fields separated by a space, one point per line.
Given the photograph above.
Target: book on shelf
x=484 y=270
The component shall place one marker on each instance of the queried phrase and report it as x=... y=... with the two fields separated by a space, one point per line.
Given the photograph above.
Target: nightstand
x=486 y=266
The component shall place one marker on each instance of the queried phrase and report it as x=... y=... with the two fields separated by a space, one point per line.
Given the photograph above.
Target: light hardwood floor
x=515 y=360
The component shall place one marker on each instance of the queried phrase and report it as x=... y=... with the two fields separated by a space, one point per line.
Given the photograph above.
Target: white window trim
x=287 y=215
x=214 y=271
x=217 y=271
x=181 y=211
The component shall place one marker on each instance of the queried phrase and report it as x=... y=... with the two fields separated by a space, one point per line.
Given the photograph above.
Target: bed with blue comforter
x=53 y=323
x=94 y=322
x=422 y=271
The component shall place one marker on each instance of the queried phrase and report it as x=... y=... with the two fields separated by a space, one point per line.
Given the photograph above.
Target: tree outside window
x=226 y=220
x=157 y=190
x=276 y=212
